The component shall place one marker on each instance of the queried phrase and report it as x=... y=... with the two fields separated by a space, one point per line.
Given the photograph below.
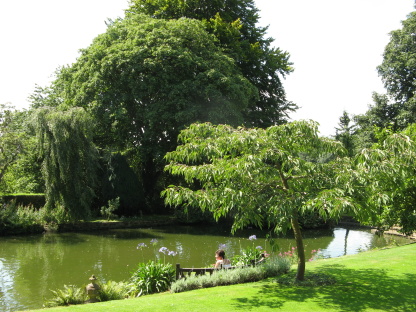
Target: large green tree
x=398 y=69
x=386 y=183
x=11 y=144
x=235 y=25
x=345 y=132
x=69 y=159
x=396 y=109
x=398 y=72
x=264 y=177
x=143 y=81
x=383 y=113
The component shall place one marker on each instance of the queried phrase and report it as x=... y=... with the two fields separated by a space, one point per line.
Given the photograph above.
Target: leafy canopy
x=11 y=138
x=144 y=80
x=69 y=159
x=234 y=24
x=387 y=184
x=398 y=69
x=259 y=176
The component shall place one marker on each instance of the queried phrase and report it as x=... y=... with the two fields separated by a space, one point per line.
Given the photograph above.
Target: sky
x=335 y=47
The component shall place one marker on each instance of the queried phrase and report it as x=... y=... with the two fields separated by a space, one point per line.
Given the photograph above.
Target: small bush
x=67 y=296
x=17 y=219
x=272 y=267
x=205 y=281
x=190 y=283
x=108 y=212
x=276 y=265
x=247 y=256
x=219 y=278
x=116 y=291
x=153 y=277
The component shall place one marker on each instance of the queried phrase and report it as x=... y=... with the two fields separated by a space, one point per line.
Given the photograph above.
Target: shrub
x=113 y=205
x=116 y=291
x=276 y=265
x=17 y=219
x=190 y=283
x=247 y=256
x=219 y=278
x=205 y=281
x=153 y=277
x=69 y=295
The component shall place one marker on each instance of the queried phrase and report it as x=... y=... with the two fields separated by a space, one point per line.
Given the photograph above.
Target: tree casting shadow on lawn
x=355 y=290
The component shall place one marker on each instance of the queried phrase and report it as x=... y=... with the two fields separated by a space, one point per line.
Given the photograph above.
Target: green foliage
x=153 y=277
x=235 y=26
x=144 y=80
x=68 y=296
x=69 y=159
x=260 y=176
x=386 y=184
x=345 y=132
x=396 y=109
x=382 y=114
x=118 y=179
x=274 y=266
x=399 y=61
x=116 y=291
x=18 y=165
x=313 y=220
x=246 y=257
x=192 y=215
x=108 y=212
x=17 y=219
x=35 y=200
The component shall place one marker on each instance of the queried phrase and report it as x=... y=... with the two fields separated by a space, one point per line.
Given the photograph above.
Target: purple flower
x=222 y=246
x=141 y=246
x=164 y=250
x=259 y=247
x=154 y=241
x=252 y=237
x=172 y=253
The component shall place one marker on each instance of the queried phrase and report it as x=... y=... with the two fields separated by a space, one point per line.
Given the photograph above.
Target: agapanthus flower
x=164 y=250
x=222 y=246
x=153 y=241
x=172 y=253
x=252 y=237
x=259 y=247
x=141 y=246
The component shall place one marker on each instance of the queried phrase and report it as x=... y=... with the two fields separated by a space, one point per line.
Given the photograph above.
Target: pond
x=30 y=266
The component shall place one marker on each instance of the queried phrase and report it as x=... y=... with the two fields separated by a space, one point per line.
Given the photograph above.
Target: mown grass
x=378 y=280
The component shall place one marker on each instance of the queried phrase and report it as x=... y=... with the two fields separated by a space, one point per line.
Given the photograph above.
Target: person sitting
x=221 y=262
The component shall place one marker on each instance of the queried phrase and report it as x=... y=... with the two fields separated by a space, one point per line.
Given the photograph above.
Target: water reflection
x=32 y=265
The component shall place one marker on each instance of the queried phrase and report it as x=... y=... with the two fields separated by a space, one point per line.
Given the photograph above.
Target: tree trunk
x=300 y=275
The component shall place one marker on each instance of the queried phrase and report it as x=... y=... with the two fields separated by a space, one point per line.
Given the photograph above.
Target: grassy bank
x=378 y=280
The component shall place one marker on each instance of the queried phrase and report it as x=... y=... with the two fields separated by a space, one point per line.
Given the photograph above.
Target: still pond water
x=30 y=266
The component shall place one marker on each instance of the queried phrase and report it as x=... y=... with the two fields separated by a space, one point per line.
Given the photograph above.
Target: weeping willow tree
x=69 y=159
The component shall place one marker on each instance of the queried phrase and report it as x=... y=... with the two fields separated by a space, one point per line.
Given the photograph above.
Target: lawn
x=378 y=280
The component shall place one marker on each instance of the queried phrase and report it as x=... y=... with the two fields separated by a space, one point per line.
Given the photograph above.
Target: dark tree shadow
x=355 y=290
